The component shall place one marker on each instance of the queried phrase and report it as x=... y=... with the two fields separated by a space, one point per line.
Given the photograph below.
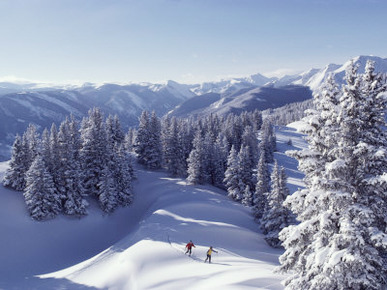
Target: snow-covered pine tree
x=276 y=216
x=124 y=177
x=113 y=129
x=211 y=159
x=70 y=186
x=232 y=177
x=222 y=148
x=374 y=134
x=250 y=139
x=15 y=175
x=45 y=149
x=154 y=158
x=130 y=138
x=262 y=188
x=173 y=149
x=141 y=144
x=246 y=167
x=247 y=197
x=268 y=140
x=196 y=163
x=257 y=120
x=186 y=137
x=119 y=167
x=25 y=152
x=30 y=141
x=340 y=242
x=108 y=195
x=233 y=130
x=148 y=141
x=93 y=151
x=40 y=197
x=218 y=160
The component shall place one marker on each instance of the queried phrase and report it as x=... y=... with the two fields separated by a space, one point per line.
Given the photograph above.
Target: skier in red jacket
x=189 y=247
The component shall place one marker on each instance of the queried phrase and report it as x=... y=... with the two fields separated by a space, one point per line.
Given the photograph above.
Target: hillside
x=142 y=246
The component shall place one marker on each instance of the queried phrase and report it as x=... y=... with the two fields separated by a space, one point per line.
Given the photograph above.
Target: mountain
x=255 y=98
x=52 y=105
x=314 y=78
x=338 y=71
x=232 y=85
x=259 y=92
x=43 y=104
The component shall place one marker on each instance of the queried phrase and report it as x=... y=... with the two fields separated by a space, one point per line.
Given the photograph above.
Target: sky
x=189 y=41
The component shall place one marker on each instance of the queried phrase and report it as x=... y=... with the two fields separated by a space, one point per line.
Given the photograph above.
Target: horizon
x=190 y=42
x=77 y=83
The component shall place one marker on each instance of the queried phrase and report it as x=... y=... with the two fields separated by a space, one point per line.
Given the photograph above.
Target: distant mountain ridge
x=255 y=98
x=312 y=78
x=43 y=104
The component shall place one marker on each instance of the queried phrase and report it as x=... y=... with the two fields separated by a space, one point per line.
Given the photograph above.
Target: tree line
x=58 y=169
x=231 y=152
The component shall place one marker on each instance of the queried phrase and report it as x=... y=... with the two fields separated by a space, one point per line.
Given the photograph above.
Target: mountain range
x=22 y=103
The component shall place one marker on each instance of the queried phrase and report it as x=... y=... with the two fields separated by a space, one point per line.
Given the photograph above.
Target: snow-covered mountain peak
x=338 y=71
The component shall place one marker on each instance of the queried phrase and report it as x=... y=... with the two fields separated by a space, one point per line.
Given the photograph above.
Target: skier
x=209 y=252
x=189 y=247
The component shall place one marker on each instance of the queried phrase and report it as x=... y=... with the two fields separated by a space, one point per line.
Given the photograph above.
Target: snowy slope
x=142 y=246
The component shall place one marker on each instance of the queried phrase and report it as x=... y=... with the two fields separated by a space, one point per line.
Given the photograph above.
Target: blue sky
x=184 y=40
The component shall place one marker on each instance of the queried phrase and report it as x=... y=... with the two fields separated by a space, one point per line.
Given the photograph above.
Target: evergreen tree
x=130 y=138
x=45 y=150
x=173 y=149
x=250 y=139
x=24 y=152
x=276 y=216
x=141 y=145
x=268 y=140
x=222 y=149
x=113 y=129
x=257 y=120
x=196 y=163
x=70 y=187
x=340 y=242
x=245 y=167
x=232 y=179
x=247 y=197
x=124 y=177
x=154 y=158
x=32 y=139
x=262 y=188
x=108 y=195
x=148 y=141
x=41 y=200
x=210 y=158
x=120 y=174
x=15 y=175
x=93 y=152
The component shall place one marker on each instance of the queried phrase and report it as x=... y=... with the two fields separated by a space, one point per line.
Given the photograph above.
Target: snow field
x=153 y=256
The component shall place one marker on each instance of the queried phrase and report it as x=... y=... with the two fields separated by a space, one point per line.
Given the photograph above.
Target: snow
x=142 y=246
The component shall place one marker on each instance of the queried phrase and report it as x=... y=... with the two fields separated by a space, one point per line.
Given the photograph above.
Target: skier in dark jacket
x=209 y=253
x=189 y=247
